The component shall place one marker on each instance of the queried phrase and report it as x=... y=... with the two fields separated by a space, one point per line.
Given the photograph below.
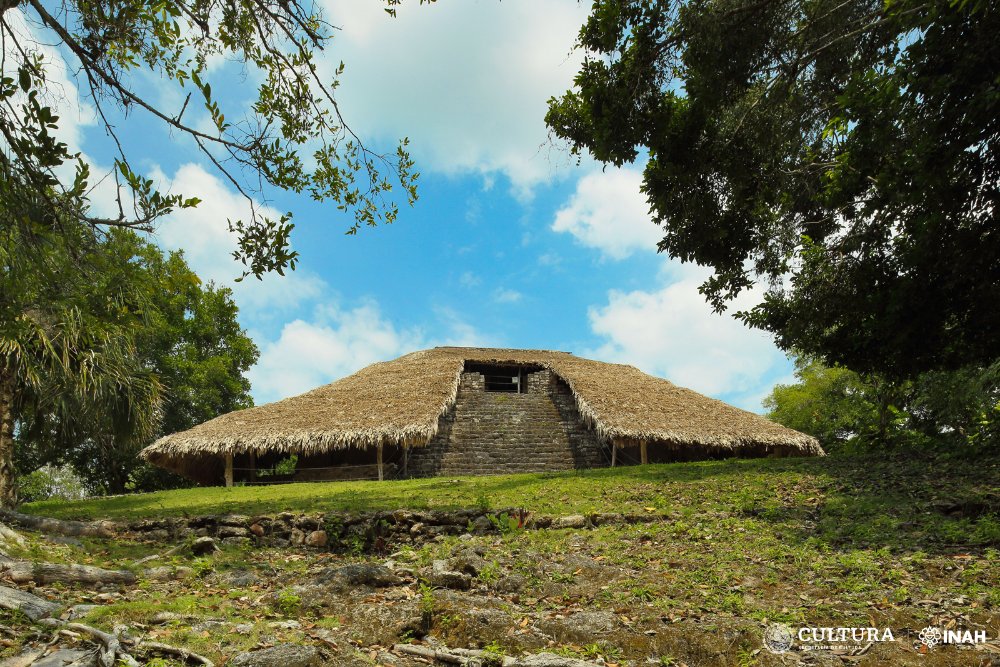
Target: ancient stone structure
x=499 y=432
x=471 y=411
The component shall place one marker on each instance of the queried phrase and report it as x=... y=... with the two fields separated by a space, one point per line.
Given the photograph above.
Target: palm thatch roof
x=400 y=402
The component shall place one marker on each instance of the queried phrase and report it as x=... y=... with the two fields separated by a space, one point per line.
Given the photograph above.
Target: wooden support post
x=406 y=459
x=614 y=453
x=379 y=454
x=253 y=467
x=229 y=470
x=643 y=453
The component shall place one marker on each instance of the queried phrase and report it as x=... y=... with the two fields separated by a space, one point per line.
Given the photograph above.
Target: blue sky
x=512 y=242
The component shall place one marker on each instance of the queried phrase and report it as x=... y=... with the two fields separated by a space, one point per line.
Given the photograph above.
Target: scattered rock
x=79 y=611
x=30 y=605
x=468 y=560
x=512 y=583
x=233 y=531
x=443 y=577
x=379 y=623
x=297 y=537
x=237 y=541
x=571 y=521
x=581 y=627
x=360 y=574
x=244 y=628
x=237 y=520
x=257 y=530
x=482 y=525
x=282 y=655
x=417 y=528
x=209 y=626
x=204 y=546
x=68 y=657
x=317 y=538
x=242 y=579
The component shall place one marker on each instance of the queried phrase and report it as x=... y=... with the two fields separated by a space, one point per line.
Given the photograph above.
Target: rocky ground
x=572 y=593
x=694 y=573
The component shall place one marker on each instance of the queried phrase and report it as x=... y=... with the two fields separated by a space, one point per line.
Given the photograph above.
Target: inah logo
x=778 y=638
x=930 y=636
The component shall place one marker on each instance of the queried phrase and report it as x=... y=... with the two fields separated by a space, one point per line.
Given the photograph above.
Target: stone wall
x=492 y=433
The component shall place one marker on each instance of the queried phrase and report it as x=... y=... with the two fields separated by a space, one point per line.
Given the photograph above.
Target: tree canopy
x=67 y=337
x=846 y=410
x=844 y=153
x=187 y=336
x=291 y=137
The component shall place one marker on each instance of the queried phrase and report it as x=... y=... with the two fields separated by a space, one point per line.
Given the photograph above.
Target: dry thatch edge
x=176 y=446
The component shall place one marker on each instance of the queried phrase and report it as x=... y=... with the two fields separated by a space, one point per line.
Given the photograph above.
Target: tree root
x=183 y=653
x=21 y=572
x=113 y=653
x=58 y=526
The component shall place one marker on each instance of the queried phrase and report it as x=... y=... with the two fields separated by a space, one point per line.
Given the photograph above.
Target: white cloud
x=504 y=295
x=609 y=213
x=469 y=279
x=203 y=234
x=466 y=81
x=337 y=342
x=672 y=332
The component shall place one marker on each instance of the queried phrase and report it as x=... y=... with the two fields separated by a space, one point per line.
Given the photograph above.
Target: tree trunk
x=21 y=572
x=8 y=477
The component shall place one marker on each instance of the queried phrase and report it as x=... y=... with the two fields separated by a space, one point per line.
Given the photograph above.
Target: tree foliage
x=189 y=339
x=67 y=344
x=845 y=410
x=846 y=153
x=293 y=136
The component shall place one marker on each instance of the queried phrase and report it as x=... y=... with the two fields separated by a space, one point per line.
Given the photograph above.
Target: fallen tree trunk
x=21 y=572
x=30 y=605
x=58 y=526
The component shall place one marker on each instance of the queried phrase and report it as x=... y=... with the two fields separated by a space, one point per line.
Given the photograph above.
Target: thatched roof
x=400 y=401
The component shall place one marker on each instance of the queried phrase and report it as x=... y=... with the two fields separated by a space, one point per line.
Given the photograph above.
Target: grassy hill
x=902 y=541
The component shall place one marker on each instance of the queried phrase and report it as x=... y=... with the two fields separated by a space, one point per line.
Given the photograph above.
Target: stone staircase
x=491 y=433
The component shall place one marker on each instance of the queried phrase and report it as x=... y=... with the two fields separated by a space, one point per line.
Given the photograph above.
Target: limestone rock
x=282 y=655
x=360 y=574
x=204 y=546
x=68 y=657
x=30 y=605
x=581 y=627
x=316 y=538
x=571 y=521
x=440 y=575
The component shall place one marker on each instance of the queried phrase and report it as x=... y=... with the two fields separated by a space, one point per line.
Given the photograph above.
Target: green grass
x=739 y=543
x=887 y=500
